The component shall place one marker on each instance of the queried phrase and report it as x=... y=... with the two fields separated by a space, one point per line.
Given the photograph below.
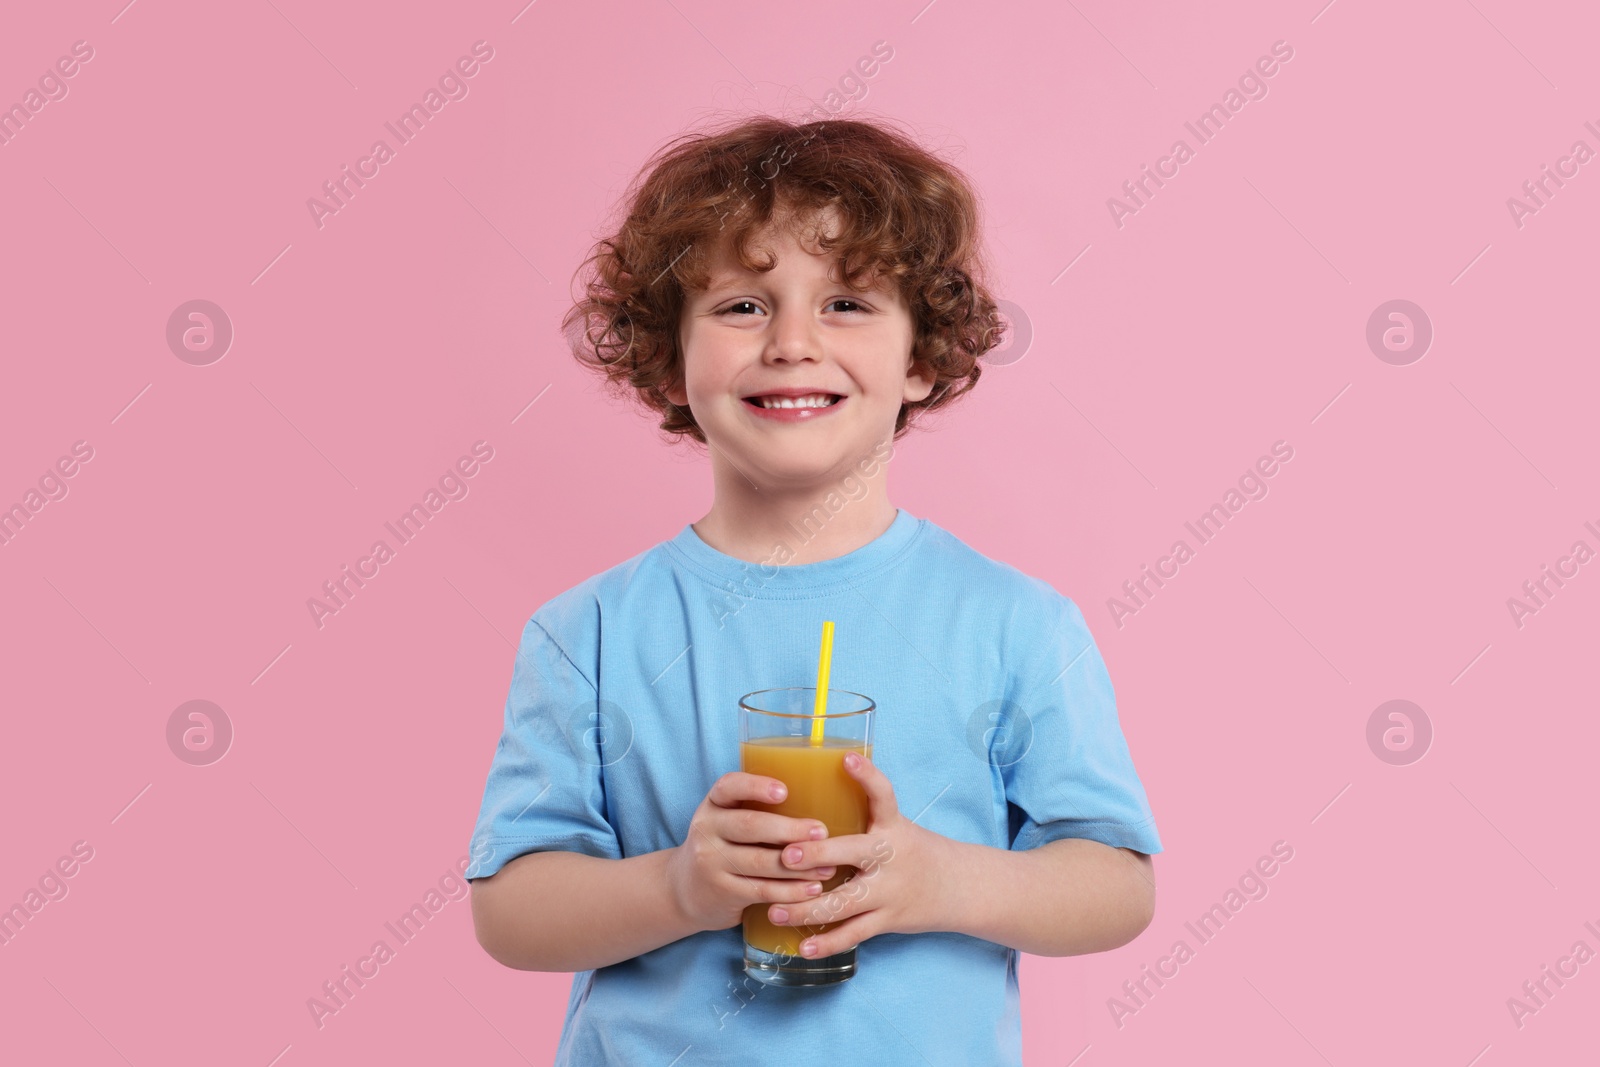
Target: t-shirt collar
x=769 y=578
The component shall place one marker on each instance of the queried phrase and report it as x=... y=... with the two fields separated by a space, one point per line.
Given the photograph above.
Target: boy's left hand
x=900 y=880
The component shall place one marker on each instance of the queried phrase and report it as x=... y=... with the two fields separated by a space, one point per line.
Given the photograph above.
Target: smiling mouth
x=816 y=400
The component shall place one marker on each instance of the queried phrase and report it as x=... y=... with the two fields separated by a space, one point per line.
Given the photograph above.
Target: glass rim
x=825 y=716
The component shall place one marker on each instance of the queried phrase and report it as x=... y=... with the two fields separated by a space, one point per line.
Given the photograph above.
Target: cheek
x=893 y=380
x=710 y=370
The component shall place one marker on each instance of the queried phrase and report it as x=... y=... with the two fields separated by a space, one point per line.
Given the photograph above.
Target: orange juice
x=819 y=788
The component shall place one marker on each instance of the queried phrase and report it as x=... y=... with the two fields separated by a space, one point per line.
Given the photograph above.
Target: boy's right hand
x=732 y=856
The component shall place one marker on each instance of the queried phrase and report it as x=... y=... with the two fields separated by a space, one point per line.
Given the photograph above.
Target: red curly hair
x=902 y=212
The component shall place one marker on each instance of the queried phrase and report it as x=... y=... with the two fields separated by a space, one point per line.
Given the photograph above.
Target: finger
x=753 y=826
x=850 y=898
x=844 y=937
x=788 y=892
x=879 y=792
x=733 y=788
x=758 y=862
x=853 y=850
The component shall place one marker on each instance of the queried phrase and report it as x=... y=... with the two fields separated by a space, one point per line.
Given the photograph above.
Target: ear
x=677 y=393
x=919 y=382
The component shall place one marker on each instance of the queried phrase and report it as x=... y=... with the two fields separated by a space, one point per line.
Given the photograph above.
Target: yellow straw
x=821 y=707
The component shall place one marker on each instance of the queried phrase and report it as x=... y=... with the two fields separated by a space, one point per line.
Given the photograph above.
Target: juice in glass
x=777 y=738
x=819 y=788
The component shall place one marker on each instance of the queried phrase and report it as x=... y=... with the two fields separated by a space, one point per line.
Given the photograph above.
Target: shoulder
x=1001 y=583
x=572 y=618
x=1031 y=623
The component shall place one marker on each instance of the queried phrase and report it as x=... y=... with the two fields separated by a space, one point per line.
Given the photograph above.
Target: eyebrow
x=882 y=284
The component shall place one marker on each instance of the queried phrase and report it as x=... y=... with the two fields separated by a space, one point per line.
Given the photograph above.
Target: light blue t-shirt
x=996 y=724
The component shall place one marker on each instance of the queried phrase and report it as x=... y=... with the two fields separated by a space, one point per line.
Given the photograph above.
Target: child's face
x=795 y=326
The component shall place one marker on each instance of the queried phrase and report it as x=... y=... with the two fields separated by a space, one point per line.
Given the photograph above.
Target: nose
x=792 y=337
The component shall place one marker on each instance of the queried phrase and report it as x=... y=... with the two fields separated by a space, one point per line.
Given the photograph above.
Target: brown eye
x=743 y=303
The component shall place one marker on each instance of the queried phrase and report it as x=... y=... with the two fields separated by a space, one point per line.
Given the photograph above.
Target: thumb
x=876 y=784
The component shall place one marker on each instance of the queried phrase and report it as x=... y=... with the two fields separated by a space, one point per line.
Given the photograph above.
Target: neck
x=784 y=525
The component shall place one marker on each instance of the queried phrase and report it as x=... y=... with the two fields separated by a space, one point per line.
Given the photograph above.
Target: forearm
x=566 y=911
x=1066 y=897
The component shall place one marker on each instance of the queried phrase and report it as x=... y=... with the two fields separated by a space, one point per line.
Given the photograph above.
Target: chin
x=790 y=469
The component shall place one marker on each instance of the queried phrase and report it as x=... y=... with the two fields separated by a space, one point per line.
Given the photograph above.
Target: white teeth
x=815 y=400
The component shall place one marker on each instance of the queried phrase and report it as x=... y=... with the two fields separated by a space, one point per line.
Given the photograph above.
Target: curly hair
x=902 y=212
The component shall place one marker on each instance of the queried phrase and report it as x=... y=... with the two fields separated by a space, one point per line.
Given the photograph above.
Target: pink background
x=1227 y=314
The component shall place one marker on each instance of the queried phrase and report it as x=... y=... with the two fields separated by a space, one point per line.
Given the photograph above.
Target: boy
x=792 y=297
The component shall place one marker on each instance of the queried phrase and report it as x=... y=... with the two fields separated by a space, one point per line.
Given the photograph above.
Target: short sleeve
x=545 y=791
x=1065 y=764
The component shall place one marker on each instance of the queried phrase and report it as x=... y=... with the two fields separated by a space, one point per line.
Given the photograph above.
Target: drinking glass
x=777 y=738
